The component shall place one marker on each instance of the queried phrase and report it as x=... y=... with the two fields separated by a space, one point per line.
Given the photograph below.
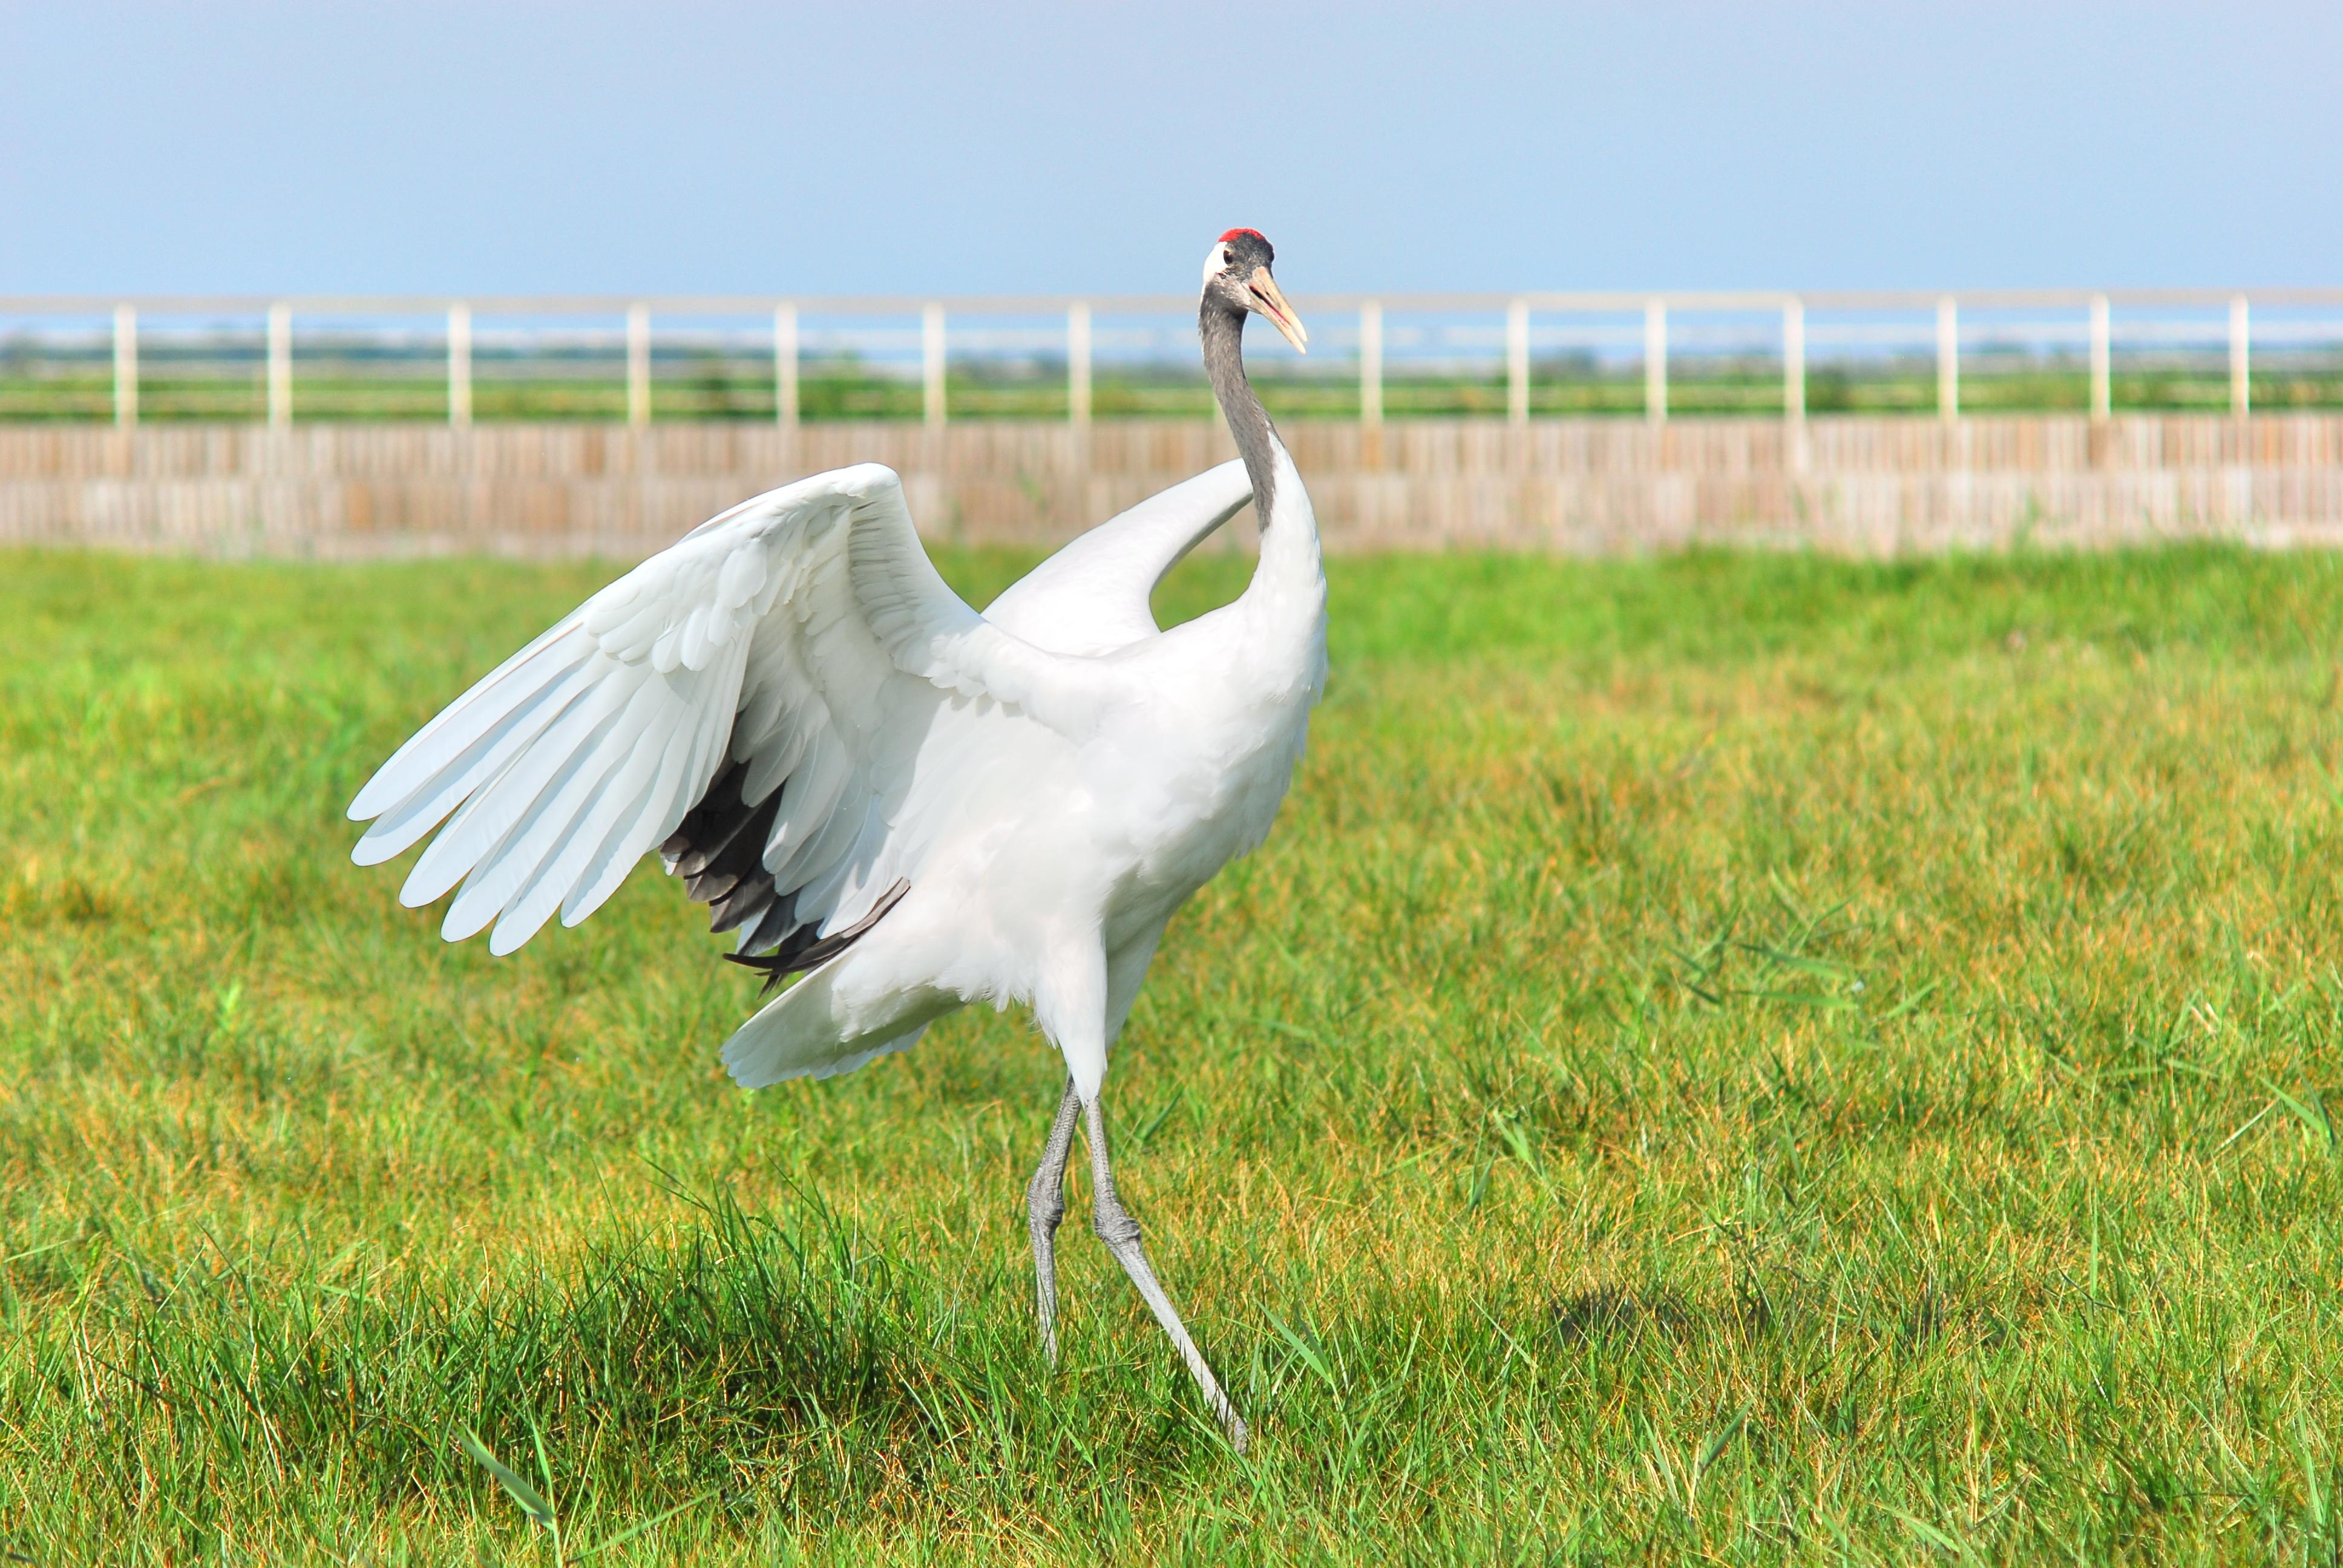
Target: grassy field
x=721 y=386
x=1746 y=1059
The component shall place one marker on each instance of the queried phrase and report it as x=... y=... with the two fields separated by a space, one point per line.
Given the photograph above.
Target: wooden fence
x=1868 y=484
x=383 y=340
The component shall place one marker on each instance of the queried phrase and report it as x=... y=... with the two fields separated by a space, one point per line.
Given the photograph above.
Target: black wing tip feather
x=715 y=825
x=718 y=850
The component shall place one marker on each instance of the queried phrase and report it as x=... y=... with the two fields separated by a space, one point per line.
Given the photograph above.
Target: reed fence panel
x=1864 y=485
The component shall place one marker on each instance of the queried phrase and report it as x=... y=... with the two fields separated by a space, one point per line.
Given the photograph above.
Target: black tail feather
x=804 y=951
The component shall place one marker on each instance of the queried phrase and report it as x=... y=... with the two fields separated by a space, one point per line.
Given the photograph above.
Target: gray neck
x=1223 y=333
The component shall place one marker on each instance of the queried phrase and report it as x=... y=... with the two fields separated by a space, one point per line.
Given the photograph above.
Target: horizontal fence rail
x=793 y=359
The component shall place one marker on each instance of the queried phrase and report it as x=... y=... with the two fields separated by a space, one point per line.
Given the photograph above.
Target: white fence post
x=1655 y=360
x=2242 y=386
x=1948 y=359
x=459 y=365
x=1793 y=381
x=125 y=364
x=280 y=364
x=931 y=361
x=1793 y=360
x=2102 y=360
x=639 y=364
x=785 y=367
x=388 y=322
x=1077 y=364
x=1517 y=362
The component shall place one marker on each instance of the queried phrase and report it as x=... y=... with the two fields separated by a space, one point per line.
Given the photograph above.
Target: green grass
x=732 y=388
x=1741 y=1058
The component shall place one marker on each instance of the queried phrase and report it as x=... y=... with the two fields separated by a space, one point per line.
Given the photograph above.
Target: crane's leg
x=1119 y=1231
x=1045 y=1205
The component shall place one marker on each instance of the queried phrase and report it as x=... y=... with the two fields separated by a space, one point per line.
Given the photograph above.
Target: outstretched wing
x=744 y=698
x=1091 y=597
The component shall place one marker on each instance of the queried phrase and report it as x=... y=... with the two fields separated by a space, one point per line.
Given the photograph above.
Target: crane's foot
x=1045 y=1206
x=1119 y=1231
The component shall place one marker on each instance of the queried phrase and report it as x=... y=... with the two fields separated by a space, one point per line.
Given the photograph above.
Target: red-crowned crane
x=922 y=806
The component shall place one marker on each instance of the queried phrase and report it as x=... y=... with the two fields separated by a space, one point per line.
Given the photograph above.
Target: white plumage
x=1036 y=788
x=1052 y=780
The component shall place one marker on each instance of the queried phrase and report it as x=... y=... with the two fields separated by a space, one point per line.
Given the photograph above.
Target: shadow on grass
x=1783 y=1310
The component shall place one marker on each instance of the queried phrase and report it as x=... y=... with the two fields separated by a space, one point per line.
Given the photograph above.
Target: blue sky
x=868 y=146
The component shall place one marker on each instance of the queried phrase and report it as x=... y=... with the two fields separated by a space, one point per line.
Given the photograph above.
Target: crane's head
x=1236 y=277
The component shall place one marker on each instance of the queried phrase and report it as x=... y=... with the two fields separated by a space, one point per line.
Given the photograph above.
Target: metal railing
x=1608 y=331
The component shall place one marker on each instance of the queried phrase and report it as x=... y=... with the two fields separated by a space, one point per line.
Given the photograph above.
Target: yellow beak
x=1270 y=300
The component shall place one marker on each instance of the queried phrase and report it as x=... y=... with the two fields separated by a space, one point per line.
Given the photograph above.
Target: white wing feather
x=804 y=633
x=1091 y=597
